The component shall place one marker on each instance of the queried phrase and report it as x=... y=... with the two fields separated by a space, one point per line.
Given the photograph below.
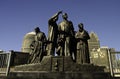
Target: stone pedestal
x=58 y=75
x=58 y=67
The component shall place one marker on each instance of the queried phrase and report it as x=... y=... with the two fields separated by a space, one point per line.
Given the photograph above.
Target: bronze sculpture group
x=62 y=39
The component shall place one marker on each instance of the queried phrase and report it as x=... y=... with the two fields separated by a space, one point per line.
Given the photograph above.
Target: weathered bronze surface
x=52 y=34
x=66 y=32
x=38 y=47
x=63 y=38
x=82 y=36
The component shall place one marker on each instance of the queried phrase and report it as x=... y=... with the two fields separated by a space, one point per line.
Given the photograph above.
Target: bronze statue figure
x=65 y=33
x=52 y=34
x=82 y=54
x=38 y=47
x=63 y=38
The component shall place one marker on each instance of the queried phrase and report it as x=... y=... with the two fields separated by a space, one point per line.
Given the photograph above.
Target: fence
x=115 y=63
x=5 y=63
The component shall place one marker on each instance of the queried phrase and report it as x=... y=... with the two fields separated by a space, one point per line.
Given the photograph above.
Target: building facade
x=93 y=42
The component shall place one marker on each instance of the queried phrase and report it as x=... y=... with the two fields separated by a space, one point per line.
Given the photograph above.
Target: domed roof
x=29 y=34
x=27 y=41
x=94 y=36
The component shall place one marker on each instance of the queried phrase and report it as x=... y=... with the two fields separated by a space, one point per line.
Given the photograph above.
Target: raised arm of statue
x=55 y=17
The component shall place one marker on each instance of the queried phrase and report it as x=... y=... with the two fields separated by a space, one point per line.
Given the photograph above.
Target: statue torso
x=39 y=36
x=64 y=26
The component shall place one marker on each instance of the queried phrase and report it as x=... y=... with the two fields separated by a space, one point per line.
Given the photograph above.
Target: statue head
x=81 y=27
x=37 y=30
x=65 y=16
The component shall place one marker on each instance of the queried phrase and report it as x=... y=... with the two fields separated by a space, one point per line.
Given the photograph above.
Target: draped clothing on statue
x=82 y=55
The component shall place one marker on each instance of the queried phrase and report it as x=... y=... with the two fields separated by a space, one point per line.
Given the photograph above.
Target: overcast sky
x=18 y=17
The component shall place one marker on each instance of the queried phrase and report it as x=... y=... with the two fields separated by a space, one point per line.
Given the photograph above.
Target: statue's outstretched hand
x=59 y=12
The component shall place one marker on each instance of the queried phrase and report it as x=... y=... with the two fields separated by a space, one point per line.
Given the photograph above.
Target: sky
x=18 y=17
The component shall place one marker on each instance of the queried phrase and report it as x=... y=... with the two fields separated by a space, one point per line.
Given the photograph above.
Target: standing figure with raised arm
x=82 y=54
x=52 y=34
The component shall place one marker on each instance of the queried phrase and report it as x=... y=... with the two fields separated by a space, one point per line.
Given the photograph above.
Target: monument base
x=58 y=75
x=58 y=67
x=60 y=64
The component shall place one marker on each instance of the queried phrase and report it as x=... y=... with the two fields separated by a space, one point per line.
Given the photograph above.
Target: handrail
x=5 y=59
x=114 y=63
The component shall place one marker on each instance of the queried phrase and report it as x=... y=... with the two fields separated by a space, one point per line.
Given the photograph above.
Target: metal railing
x=5 y=63
x=114 y=62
